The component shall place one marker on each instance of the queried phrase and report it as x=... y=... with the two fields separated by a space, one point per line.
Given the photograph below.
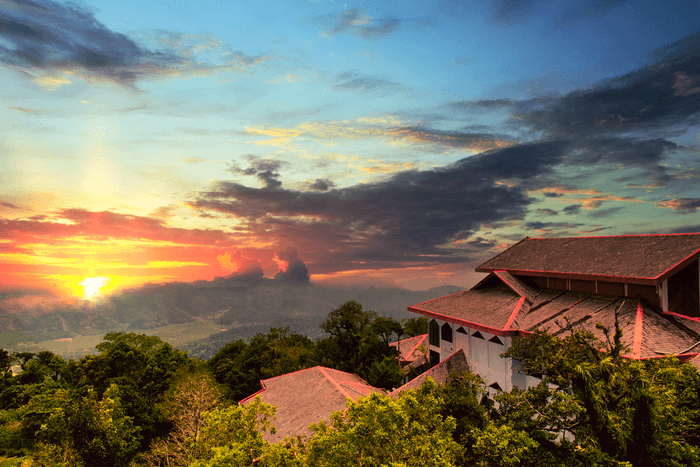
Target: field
x=80 y=345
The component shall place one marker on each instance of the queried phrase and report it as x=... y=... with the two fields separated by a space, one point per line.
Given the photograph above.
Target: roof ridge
x=334 y=382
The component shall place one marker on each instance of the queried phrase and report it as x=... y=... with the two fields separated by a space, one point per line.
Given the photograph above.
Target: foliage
x=358 y=343
x=414 y=326
x=239 y=366
x=502 y=445
x=382 y=431
x=233 y=436
x=193 y=393
x=612 y=407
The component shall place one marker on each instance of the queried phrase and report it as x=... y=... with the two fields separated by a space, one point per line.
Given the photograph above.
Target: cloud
x=360 y=24
x=321 y=184
x=480 y=105
x=6 y=205
x=508 y=12
x=105 y=225
x=292 y=269
x=477 y=142
x=572 y=209
x=687 y=229
x=54 y=41
x=238 y=262
x=681 y=205
x=411 y=214
x=25 y=110
x=264 y=169
x=547 y=212
x=356 y=81
x=656 y=101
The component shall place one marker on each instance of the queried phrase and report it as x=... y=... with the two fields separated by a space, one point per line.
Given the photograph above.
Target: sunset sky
x=368 y=143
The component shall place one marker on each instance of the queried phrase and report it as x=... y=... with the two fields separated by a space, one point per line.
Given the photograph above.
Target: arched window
x=447 y=332
x=434 y=331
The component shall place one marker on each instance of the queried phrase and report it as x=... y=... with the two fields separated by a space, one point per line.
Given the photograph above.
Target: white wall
x=483 y=356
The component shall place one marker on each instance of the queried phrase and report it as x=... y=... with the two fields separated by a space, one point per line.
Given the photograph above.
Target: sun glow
x=92 y=285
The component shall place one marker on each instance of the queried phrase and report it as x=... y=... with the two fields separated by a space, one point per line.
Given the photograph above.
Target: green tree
x=358 y=342
x=239 y=366
x=614 y=408
x=414 y=326
x=383 y=431
x=95 y=431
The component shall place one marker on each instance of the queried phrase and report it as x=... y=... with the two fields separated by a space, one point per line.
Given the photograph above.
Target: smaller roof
x=308 y=396
x=484 y=309
x=636 y=259
x=440 y=373
x=410 y=349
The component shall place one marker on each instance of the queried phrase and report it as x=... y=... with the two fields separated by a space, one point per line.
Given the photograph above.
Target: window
x=434 y=358
x=461 y=330
x=434 y=331
x=446 y=332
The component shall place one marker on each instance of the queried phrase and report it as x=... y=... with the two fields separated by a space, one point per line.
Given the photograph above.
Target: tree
x=382 y=431
x=414 y=326
x=239 y=366
x=358 y=343
x=193 y=393
x=614 y=408
x=386 y=328
x=82 y=430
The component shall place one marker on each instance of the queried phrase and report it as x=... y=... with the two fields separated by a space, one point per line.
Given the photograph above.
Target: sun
x=92 y=286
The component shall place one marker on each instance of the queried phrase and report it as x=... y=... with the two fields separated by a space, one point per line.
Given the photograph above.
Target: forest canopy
x=140 y=401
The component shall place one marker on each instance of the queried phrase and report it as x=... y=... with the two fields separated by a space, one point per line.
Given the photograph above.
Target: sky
x=360 y=143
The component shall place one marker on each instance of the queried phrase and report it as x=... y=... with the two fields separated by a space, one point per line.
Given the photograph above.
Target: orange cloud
x=684 y=84
x=682 y=205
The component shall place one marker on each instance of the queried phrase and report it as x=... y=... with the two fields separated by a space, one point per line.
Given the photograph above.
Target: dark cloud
x=8 y=205
x=605 y=212
x=656 y=101
x=687 y=229
x=539 y=225
x=321 y=184
x=547 y=212
x=681 y=205
x=572 y=209
x=296 y=271
x=48 y=36
x=398 y=219
x=356 y=81
x=360 y=24
x=508 y=12
x=264 y=169
x=482 y=104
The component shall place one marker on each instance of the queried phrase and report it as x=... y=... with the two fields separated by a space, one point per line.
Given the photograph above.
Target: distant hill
x=242 y=305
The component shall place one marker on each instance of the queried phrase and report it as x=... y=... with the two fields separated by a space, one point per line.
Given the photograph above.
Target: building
x=652 y=282
x=308 y=396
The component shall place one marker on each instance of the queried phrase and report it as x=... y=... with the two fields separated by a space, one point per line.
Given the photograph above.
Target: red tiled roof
x=308 y=396
x=638 y=259
x=484 y=309
x=646 y=331
x=410 y=349
x=440 y=373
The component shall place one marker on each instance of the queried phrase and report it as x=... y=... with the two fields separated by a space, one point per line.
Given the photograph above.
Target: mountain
x=234 y=307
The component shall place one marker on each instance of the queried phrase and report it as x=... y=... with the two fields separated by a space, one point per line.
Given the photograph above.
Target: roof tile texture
x=630 y=256
x=309 y=396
